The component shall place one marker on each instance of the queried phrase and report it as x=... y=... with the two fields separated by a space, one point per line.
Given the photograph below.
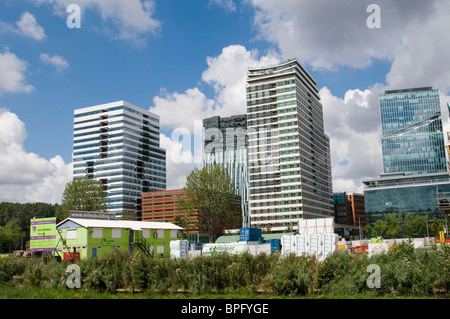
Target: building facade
x=95 y=237
x=118 y=144
x=405 y=195
x=412 y=135
x=226 y=144
x=163 y=206
x=349 y=209
x=414 y=156
x=289 y=153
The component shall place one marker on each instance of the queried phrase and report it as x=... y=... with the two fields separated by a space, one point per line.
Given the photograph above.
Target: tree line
x=15 y=222
x=208 y=198
x=412 y=225
x=79 y=194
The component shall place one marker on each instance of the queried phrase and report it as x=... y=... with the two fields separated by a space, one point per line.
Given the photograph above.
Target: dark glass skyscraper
x=226 y=144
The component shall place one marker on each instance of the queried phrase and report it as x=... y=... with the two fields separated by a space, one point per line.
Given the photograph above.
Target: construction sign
x=43 y=234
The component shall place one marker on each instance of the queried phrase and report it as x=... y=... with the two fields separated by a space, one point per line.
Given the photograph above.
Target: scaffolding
x=443 y=202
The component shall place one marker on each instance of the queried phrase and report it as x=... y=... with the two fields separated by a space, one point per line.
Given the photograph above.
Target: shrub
x=292 y=275
x=404 y=270
x=109 y=273
x=11 y=268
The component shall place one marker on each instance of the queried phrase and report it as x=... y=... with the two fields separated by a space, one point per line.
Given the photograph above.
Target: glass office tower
x=414 y=156
x=289 y=153
x=118 y=144
x=226 y=144
x=413 y=140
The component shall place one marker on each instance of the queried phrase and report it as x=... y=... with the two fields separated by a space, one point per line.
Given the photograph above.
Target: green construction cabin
x=90 y=238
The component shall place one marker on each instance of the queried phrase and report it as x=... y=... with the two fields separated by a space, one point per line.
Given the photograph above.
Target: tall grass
x=404 y=271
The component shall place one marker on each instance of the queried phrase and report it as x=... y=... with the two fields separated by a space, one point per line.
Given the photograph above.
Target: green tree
x=369 y=231
x=22 y=214
x=436 y=226
x=415 y=225
x=11 y=234
x=380 y=228
x=392 y=226
x=209 y=194
x=82 y=194
x=388 y=227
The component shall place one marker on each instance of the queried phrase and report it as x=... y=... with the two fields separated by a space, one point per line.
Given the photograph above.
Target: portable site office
x=96 y=237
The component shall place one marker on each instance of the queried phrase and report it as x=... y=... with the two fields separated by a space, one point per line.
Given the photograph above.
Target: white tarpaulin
x=316 y=226
x=236 y=248
x=319 y=245
x=178 y=248
x=377 y=248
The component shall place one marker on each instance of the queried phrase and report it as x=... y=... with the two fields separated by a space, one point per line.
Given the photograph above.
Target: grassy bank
x=404 y=272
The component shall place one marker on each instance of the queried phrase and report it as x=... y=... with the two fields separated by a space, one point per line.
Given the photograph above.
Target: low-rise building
x=96 y=237
x=163 y=206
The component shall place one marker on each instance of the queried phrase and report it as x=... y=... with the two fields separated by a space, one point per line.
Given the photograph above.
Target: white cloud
x=228 y=5
x=177 y=110
x=353 y=125
x=180 y=160
x=12 y=74
x=29 y=26
x=227 y=74
x=183 y=113
x=132 y=19
x=57 y=61
x=423 y=58
x=25 y=176
x=328 y=34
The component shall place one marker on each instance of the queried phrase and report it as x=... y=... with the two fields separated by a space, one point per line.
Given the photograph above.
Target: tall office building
x=226 y=144
x=414 y=156
x=118 y=144
x=413 y=140
x=289 y=153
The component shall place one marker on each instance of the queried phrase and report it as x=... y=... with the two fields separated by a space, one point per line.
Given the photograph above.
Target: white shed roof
x=135 y=225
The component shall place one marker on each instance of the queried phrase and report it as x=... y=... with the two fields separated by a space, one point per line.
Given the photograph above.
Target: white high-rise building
x=289 y=153
x=118 y=144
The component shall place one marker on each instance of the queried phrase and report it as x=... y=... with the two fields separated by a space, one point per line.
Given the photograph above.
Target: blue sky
x=186 y=60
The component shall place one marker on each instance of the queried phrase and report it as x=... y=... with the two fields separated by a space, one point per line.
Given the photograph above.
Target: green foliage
x=415 y=225
x=293 y=276
x=209 y=194
x=404 y=271
x=11 y=234
x=412 y=225
x=343 y=273
x=10 y=268
x=83 y=194
x=109 y=273
x=15 y=222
